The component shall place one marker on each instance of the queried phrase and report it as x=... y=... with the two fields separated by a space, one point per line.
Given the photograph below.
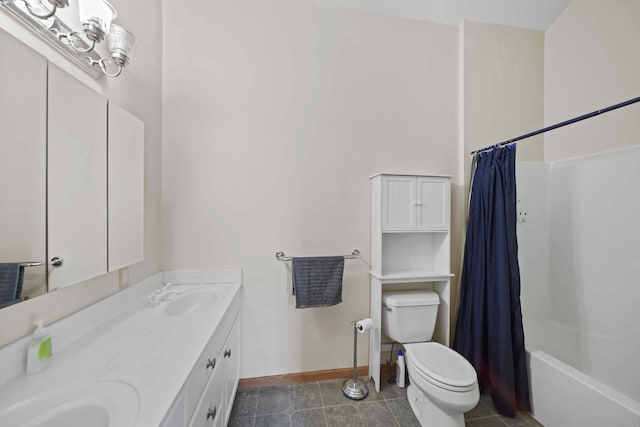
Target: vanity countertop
x=139 y=345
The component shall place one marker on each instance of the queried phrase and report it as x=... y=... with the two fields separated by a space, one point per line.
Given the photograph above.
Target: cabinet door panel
x=398 y=203
x=126 y=188
x=433 y=204
x=77 y=179
x=23 y=115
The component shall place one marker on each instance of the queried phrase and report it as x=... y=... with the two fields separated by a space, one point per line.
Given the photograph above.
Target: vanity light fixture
x=96 y=17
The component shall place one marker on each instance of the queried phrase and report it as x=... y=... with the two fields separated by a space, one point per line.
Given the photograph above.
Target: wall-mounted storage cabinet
x=410 y=243
x=76 y=179
x=415 y=203
x=95 y=182
x=23 y=115
x=125 y=188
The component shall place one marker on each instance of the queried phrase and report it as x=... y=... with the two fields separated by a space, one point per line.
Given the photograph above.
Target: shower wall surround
x=580 y=300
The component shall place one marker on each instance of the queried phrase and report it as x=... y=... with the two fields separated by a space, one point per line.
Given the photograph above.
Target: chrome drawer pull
x=211 y=413
x=211 y=363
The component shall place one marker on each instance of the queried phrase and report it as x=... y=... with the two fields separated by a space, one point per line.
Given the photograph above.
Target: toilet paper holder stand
x=353 y=388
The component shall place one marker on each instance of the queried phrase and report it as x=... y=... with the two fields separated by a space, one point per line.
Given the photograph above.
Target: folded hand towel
x=317 y=281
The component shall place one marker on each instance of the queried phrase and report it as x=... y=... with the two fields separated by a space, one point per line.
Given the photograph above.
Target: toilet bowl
x=443 y=384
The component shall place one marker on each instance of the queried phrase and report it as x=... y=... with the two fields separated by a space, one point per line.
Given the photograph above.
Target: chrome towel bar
x=280 y=256
x=56 y=261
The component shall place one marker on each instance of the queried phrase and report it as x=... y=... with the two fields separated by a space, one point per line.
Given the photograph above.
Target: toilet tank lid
x=410 y=298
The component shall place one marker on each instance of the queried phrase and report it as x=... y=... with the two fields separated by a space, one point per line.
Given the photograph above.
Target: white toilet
x=443 y=384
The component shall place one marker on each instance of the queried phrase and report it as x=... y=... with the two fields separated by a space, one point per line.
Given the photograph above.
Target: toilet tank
x=409 y=316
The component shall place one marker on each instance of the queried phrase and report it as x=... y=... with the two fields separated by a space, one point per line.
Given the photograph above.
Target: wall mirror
x=23 y=255
x=71 y=178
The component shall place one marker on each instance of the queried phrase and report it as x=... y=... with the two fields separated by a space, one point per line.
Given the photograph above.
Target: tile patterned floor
x=322 y=404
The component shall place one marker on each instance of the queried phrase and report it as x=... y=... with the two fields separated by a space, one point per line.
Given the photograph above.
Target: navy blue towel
x=11 y=275
x=317 y=281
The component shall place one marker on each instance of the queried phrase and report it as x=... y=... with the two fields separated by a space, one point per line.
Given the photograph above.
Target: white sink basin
x=95 y=404
x=190 y=302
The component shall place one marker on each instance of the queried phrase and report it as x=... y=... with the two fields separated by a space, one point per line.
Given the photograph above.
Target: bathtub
x=562 y=396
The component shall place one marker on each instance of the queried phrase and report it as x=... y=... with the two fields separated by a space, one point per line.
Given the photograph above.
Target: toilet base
x=430 y=414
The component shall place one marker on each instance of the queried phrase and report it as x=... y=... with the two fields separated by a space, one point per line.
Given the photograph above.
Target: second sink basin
x=95 y=404
x=188 y=303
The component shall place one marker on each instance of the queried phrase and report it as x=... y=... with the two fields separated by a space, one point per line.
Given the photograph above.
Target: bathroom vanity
x=136 y=359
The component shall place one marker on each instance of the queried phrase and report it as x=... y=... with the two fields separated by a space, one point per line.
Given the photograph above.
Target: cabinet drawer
x=209 y=412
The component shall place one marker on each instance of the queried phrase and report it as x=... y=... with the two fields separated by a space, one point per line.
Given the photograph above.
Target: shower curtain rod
x=558 y=125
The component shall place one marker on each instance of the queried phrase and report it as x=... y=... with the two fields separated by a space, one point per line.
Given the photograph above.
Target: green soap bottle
x=40 y=350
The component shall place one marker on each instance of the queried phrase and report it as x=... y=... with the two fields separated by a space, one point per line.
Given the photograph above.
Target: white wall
x=275 y=113
x=591 y=62
x=503 y=87
x=138 y=90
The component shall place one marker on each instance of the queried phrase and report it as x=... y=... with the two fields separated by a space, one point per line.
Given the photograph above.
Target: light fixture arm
x=47 y=16
x=79 y=49
x=69 y=37
x=102 y=63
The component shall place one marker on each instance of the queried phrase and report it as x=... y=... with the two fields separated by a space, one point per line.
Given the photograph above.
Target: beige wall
x=592 y=61
x=503 y=87
x=274 y=115
x=139 y=91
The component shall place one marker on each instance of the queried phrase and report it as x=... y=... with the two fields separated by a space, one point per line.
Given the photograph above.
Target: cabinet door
x=77 y=179
x=231 y=358
x=23 y=115
x=398 y=203
x=432 y=203
x=126 y=188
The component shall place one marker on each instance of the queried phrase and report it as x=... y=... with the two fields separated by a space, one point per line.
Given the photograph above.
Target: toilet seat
x=441 y=366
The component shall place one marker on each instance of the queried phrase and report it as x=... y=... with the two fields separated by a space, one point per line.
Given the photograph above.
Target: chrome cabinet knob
x=211 y=363
x=227 y=353
x=211 y=413
x=56 y=261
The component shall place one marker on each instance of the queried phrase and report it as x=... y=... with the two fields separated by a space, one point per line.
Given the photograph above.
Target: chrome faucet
x=162 y=294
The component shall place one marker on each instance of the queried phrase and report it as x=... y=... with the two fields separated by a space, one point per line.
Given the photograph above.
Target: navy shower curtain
x=489 y=329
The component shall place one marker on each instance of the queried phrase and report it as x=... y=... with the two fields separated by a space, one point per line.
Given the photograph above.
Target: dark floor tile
x=480 y=411
x=376 y=414
x=391 y=390
x=331 y=392
x=403 y=412
x=244 y=404
x=342 y=416
x=521 y=420
x=373 y=394
x=493 y=421
x=305 y=396
x=242 y=422
x=273 y=420
x=272 y=400
x=309 y=418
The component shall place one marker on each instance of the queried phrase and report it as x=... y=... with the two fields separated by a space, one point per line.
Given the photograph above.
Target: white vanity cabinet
x=207 y=396
x=410 y=244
